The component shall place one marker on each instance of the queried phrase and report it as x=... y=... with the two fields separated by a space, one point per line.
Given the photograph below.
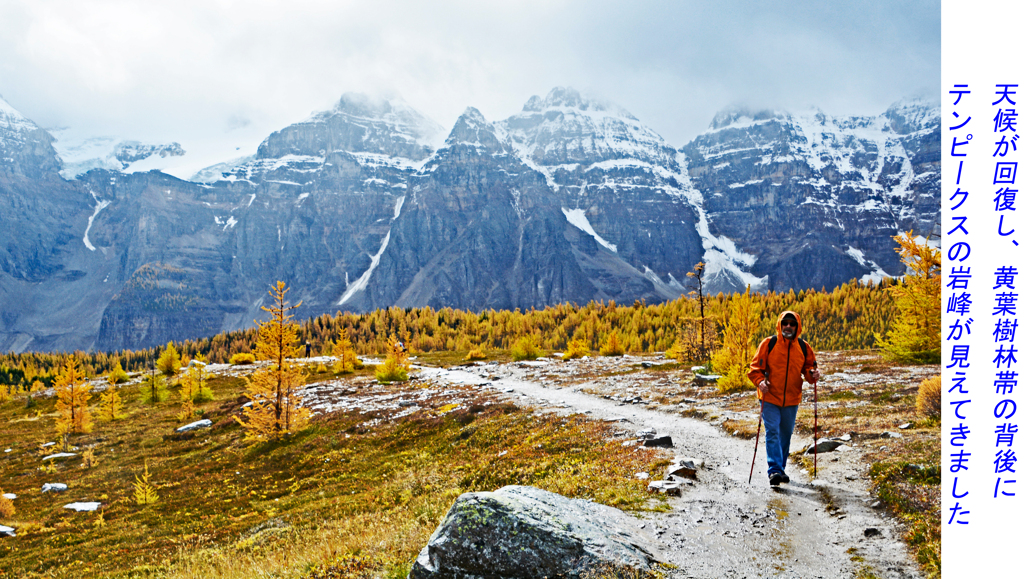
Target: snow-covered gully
x=722 y=526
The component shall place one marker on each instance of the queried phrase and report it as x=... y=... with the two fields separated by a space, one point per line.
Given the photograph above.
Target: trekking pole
x=815 y=426
x=757 y=438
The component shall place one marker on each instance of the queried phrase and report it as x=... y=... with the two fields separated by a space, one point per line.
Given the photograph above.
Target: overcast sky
x=219 y=74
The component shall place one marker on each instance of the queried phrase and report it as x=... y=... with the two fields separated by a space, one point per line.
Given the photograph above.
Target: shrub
x=6 y=507
x=476 y=354
x=612 y=346
x=117 y=375
x=929 y=398
x=169 y=363
x=242 y=358
x=577 y=349
x=734 y=380
x=524 y=349
x=391 y=371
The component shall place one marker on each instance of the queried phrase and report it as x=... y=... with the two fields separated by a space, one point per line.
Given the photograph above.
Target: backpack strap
x=774 y=340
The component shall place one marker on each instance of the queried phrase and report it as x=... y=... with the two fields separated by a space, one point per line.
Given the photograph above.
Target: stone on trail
x=904 y=426
x=824 y=445
x=682 y=468
x=6 y=531
x=525 y=532
x=55 y=487
x=706 y=379
x=872 y=532
x=204 y=423
x=667 y=487
x=660 y=442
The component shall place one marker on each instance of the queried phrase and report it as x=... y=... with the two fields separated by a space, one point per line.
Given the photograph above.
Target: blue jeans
x=779 y=422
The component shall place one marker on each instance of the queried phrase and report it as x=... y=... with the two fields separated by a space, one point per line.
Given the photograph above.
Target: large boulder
x=523 y=532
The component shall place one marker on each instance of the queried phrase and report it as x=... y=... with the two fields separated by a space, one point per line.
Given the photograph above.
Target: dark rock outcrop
x=523 y=532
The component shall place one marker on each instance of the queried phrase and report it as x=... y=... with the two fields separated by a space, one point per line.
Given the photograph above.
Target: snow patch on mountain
x=360 y=284
x=578 y=218
x=100 y=204
x=81 y=153
x=877 y=273
x=724 y=263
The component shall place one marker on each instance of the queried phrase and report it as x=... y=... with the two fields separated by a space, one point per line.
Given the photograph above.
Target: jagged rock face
x=570 y=200
x=480 y=228
x=618 y=176
x=524 y=532
x=816 y=199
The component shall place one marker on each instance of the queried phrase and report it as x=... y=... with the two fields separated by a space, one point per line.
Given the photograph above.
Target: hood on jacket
x=799 y=323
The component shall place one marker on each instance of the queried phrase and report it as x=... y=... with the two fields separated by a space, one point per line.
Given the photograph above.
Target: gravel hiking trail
x=721 y=526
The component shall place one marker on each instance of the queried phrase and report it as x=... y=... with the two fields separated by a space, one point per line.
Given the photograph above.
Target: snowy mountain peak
x=12 y=121
x=473 y=129
x=912 y=115
x=742 y=117
x=567 y=127
x=570 y=98
x=358 y=123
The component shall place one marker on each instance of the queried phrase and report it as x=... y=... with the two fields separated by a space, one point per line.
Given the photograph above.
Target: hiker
x=309 y=349
x=778 y=369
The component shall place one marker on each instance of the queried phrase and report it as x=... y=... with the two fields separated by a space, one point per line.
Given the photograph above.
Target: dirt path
x=722 y=526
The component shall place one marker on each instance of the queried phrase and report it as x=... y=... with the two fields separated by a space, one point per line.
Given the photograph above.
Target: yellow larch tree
x=72 y=401
x=111 y=407
x=914 y=336
x=274 y=411
x=345 y=356
x=733 y=358
x=169 y=363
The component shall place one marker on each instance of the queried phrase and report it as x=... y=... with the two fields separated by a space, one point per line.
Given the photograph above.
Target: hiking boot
x=775 y=478
x=785 y=477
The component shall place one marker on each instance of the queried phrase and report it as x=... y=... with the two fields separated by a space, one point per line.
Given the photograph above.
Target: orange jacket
x=785 y=367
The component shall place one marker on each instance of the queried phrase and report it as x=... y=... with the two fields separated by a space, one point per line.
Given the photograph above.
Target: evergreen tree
x=914 y=336
x=72 y=401
x=275 y=411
